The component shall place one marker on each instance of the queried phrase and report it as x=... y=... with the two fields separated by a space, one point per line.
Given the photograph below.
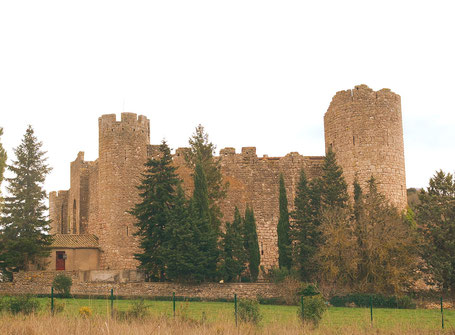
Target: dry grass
x=42 y=324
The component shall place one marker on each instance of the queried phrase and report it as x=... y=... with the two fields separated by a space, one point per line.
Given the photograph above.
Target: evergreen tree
x=283 y=230
x=435 y=216
x=24 y=236
x=154 y=212
x=2 y=164
x=202 y=152
x=333 y=186
x=180 y=249
x=306 y=234
x=205 y=235
x=251 y=244
x=234 y=257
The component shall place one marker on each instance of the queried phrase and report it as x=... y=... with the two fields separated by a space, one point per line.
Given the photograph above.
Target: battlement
x=363 y=92
x=249 y=151
x=127 y=120
x=227 y=151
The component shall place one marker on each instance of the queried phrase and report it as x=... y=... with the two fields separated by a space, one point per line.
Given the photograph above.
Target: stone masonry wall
x=255 y=181
x=58 y=211
x=40 y=282
x=364 y=129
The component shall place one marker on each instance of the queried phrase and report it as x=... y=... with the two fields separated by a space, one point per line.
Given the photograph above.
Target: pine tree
x=205 y=235
x=24 y=236
x=251 y=243
x=154 y=212
x=234 y=257
x=435 y=216
x=3 y=158
x=180 y=250
x=333 y=186
x=202 y=152
x=306 y=234
x=283 y=230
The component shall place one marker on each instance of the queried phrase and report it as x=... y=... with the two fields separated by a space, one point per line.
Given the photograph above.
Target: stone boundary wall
x=39 y=282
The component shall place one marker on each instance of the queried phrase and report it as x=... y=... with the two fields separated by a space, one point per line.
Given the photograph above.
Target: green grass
x=383 y=318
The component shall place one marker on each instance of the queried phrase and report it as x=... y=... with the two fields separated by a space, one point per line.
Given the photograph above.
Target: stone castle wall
x=254 y=181
x=364 y=129
x=362 y=126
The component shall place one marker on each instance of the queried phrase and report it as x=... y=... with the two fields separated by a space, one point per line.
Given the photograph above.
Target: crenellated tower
x=364 y=129
x=122 y=155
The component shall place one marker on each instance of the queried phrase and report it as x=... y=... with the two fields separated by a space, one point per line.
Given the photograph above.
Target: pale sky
x=254 y=73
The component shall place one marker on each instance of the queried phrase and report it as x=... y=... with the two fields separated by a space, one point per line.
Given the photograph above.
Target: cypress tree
x=234 y=257
x=24 y=224
x=180 y=249
x=202 y=152
x=305 y=232
x=333 y=186
x=283 y=230
x=154 y=212
x=205 y=235
x=251 y=243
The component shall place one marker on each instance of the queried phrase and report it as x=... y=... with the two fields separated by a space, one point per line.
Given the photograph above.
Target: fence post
x=173 y=303
x=442 y=314
x=235 y=308
x=52 y=300
x=371 y=310
x=112 y=302
x=303 y=310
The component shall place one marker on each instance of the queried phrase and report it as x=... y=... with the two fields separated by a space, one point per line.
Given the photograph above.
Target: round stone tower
x=122 y=154
x=364 y=129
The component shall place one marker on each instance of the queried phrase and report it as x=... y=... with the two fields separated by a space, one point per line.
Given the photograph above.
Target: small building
x=70 y=252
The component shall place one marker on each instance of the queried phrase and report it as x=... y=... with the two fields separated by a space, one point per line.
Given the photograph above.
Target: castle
x=93 y=229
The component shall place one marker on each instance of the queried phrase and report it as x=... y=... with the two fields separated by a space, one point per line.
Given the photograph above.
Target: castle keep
x=91 y=219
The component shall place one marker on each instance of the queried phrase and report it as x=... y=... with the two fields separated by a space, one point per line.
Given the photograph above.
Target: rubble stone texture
x=362 y=126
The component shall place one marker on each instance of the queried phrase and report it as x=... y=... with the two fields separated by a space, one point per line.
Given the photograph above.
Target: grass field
x=213 y=312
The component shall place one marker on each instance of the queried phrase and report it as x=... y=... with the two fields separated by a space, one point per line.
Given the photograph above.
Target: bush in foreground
x=248 y=311
x=21 y=304
x=314 y=308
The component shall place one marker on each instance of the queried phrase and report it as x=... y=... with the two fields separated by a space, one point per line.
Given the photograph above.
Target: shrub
x=314 y=308
x=62 y=285
x=85 y=312
x=138 y=310
x=59 y=306
x=379 y=301
x=24 y=304
x=248 y=311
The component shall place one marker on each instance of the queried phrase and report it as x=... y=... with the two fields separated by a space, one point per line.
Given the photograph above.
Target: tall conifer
x=2 y=164
x=154 y=212
x=305 y=232
x=202 y=152
x=24 y=234
x=234 y=257
x=283 y=230
x=181 y=251
x=206 y=236
x=333 y=186
x=251 y=243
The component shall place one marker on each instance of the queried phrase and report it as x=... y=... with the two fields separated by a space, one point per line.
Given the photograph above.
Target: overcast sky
x=254 y=73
